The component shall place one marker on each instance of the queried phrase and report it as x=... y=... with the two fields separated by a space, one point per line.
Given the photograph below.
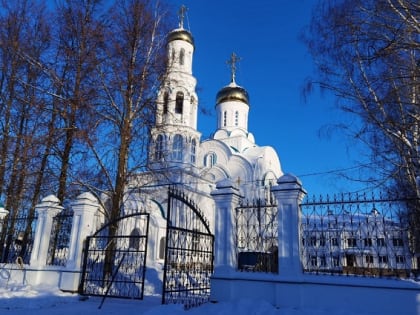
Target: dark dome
x=181 y=34
x=232 y=92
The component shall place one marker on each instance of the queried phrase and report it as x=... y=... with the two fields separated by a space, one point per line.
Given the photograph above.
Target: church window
x=181 y=56
x=165 y=102
x=162 y=244
x=179 y=102
x=236 y=118
x=193 y=150
x=210 y=159
x=134 y=241
x=159 y=148
x=177 y=148
x=224 y=118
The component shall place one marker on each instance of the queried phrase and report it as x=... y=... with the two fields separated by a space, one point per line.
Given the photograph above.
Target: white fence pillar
x=289 y=194
x=226 y=197
x=85 y=209
x=84 y=224
x=46 y=210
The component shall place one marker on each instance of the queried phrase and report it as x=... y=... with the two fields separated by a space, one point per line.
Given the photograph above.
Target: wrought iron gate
x=188 y=254
x=115 y=265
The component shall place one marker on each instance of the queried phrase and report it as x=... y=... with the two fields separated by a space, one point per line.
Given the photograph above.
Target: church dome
x=181 y=34
x=232 y=92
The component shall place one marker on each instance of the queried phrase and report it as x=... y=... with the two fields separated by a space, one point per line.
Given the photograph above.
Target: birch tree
x=367 y=53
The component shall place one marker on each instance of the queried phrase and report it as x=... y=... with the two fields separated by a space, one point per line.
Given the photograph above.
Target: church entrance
x=188 y=254
x=115 y=265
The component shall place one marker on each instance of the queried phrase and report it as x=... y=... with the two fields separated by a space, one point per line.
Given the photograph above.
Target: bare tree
x=368 y=54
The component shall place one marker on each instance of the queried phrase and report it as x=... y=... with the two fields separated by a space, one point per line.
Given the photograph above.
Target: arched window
x=181 y=56
x=210 y=159
x=177 y=148
x=162 y=245
x=179 y=102
x=165 y=102
x=134 y=241
x=159 y=148
x=193 y=150
x=224 y=118
x=236 y=118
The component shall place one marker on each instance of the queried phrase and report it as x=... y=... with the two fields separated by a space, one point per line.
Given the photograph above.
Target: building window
x=336 y=261
x=322 y=241
x=134 y=242
x=177 y=148
x=351 y=242
x=334 y=241
x=351 y=260
x=165 y=102
x=400 y=259
x=210 y=159
x=369 y=259
x=193 y=150
x=313 y=240
x=323 y=261
x=397 y=242
x=159 y=148
x=236 y=118
x=224 y=118
x=313 y=261
x=368 y=242
x=383 y=259
x=179 y=102
x=380 y=242
x=181 y=56
x=162 y=245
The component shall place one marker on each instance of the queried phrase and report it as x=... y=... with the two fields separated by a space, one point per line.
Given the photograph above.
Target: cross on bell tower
x=181 y=14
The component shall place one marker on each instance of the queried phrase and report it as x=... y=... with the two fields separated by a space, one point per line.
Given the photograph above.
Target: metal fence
x=257 y=236
x=58 y=249
x=359 y=235
x=16 y=238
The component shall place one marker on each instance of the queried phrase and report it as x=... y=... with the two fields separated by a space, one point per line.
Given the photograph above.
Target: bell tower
x=174 y=138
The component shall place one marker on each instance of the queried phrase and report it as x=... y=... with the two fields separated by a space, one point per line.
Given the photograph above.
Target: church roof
x=180 y=34
x=232 y=92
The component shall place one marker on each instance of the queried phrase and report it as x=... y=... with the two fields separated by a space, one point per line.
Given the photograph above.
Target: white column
x=46 y=210
x=289 y=194
x=84 y=224
x=226 y=197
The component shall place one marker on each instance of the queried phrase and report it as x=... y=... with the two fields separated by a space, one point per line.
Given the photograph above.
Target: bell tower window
x=159 y=148
x=224 y=118
x=193 y=150
x=177 y=148
x=181 y=56
x=165 y=102
x=179 y=102
x=236 y=118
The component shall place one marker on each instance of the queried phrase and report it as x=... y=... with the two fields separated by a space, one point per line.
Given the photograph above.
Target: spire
x=181 y=14
x=234 y=59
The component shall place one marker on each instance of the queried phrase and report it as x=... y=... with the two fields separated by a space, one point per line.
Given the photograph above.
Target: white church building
x=179 y=157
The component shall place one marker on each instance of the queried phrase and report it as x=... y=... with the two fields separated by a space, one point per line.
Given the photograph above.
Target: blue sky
x=273 y=67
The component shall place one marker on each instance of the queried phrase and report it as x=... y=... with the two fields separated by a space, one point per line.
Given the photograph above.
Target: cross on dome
x=234 y=59
x=181 y=14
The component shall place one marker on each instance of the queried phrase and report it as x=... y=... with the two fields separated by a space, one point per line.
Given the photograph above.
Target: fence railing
x=58 y=249
x=257 y=236
x=358 y=234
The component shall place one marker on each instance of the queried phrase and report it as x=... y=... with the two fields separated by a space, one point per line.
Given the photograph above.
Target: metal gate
x=188 y=254
x=115 y=265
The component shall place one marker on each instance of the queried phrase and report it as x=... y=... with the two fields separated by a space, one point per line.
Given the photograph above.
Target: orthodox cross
x=234 y=59
x=181 y=14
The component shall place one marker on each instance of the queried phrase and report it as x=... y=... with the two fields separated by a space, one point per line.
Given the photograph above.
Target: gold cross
x=234 y=59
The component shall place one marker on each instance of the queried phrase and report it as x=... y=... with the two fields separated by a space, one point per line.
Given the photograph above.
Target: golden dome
x=232 y=92
x=181 y=34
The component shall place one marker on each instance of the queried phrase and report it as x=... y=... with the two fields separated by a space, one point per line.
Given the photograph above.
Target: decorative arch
x=177 y=147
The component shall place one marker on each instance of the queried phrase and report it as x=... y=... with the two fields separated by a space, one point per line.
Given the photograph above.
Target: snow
x=18 y=299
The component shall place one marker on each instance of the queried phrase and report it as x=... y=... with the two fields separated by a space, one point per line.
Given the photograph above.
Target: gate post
x=46 y=210
x=226 y=197
x=84 y=210
x=289 y=194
